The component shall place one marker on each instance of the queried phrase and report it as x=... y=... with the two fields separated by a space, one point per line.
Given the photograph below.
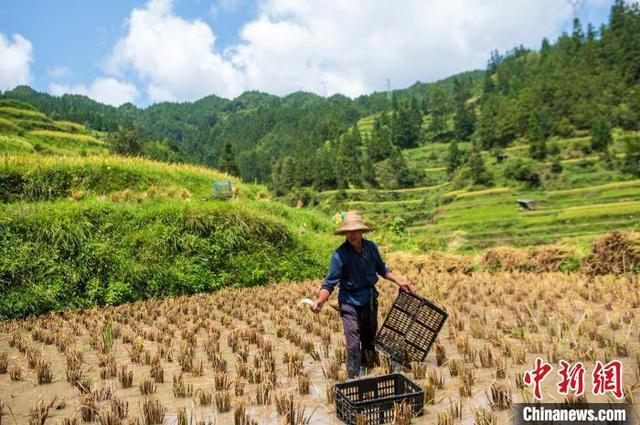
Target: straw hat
x=351 y=220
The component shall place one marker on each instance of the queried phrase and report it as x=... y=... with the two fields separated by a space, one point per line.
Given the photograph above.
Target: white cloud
x=174 y=57
x=105 y=90
x=353 y=45
x=15 y=62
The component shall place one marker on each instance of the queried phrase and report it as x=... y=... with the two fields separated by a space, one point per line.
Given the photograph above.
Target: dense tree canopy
x=588 y=80
x=585 y=77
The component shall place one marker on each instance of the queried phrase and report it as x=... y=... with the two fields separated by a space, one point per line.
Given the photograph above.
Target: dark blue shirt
x=357 y=273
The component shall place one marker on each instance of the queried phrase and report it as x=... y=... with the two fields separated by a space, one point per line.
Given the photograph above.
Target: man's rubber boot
x=370 y=359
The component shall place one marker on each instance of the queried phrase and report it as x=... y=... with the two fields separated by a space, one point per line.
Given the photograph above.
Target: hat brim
x=343 y=230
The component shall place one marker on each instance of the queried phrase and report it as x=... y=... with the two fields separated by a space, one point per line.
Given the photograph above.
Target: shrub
x=564 y=128
x=523 y=170
x=118 y=292
x=398 y=226
x=600 y=136
x=556 y=166
x=631 y=163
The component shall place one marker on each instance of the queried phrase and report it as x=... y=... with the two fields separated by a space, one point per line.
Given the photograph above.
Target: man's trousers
x=360 y=324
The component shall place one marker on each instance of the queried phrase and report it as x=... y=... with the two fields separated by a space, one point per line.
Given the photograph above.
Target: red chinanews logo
x=605 y=378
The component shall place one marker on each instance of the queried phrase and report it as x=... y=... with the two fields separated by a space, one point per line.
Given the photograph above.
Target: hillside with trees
x=262 y=130
x=584 y=80
x=559 y=118
x=81 y=225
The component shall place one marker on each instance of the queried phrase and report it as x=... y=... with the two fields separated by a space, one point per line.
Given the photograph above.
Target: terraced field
x=588 y=198
x=365 y=125
x=436 y=218
x=23 y=129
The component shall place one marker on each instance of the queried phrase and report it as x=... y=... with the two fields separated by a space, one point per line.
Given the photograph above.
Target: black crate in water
x=374 y=398
x=410 y=328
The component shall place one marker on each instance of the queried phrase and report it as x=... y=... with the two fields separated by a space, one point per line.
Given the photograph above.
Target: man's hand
x=402 y=283
x=405 y=286
x=323 y=296
x=317 y=306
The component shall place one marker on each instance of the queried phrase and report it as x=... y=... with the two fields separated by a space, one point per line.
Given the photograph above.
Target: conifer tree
x=455 y=158
x=349 y=158
x=379 y=145
x=228 y=160
x=399 y=167
x=368 y=172
x=631 y=163
x=406 y=128
x=439 y=112
x=126 y=141
x=479 y=173
x=464 y=121
x=323 y=168
x=600 y=136
x=537 y=141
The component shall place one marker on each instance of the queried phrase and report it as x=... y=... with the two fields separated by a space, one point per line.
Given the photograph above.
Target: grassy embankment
x=100 y=229
x=23 y=129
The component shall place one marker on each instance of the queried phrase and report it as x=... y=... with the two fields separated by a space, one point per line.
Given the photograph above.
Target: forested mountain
x=260 y=128
x=585 y=77
x=586 y=80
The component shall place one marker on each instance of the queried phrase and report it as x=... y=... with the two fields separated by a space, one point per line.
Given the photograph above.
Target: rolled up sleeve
x=335 y=273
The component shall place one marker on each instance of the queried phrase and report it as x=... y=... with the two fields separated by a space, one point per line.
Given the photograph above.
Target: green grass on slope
x=431 y=155
x=66 y=143
x=79 y=231
x=15 y=112
x=51 y=142
x=383 y=194
x=486 y=222
x=26 y=130
x=35 y=177
x=435 y=155
x=11 y=144
x=25 y=119
x=8 y=126
x=588 y=196
x=467 y=221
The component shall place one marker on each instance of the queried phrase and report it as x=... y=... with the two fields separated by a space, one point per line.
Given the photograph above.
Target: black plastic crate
x=374 y=398
x=410 y=328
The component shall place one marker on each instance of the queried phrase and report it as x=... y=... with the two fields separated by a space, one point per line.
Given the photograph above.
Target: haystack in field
x=615 y=253
x=549 y=258
x=433 y=261
x=506 y=259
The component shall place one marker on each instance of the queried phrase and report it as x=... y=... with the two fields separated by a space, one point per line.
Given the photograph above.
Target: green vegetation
x=25 y=130
x=465 y=221
x=583 y=84
x=583 y=199
x=78 y=231
x=577 y=196
x=34 y=178
x=269 y=136
x=436 y=166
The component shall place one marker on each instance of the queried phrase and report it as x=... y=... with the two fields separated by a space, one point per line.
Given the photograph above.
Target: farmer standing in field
x=355 y=265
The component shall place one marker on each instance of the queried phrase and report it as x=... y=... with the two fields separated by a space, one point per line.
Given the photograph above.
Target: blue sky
x=158 y=50
x=77 y=35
